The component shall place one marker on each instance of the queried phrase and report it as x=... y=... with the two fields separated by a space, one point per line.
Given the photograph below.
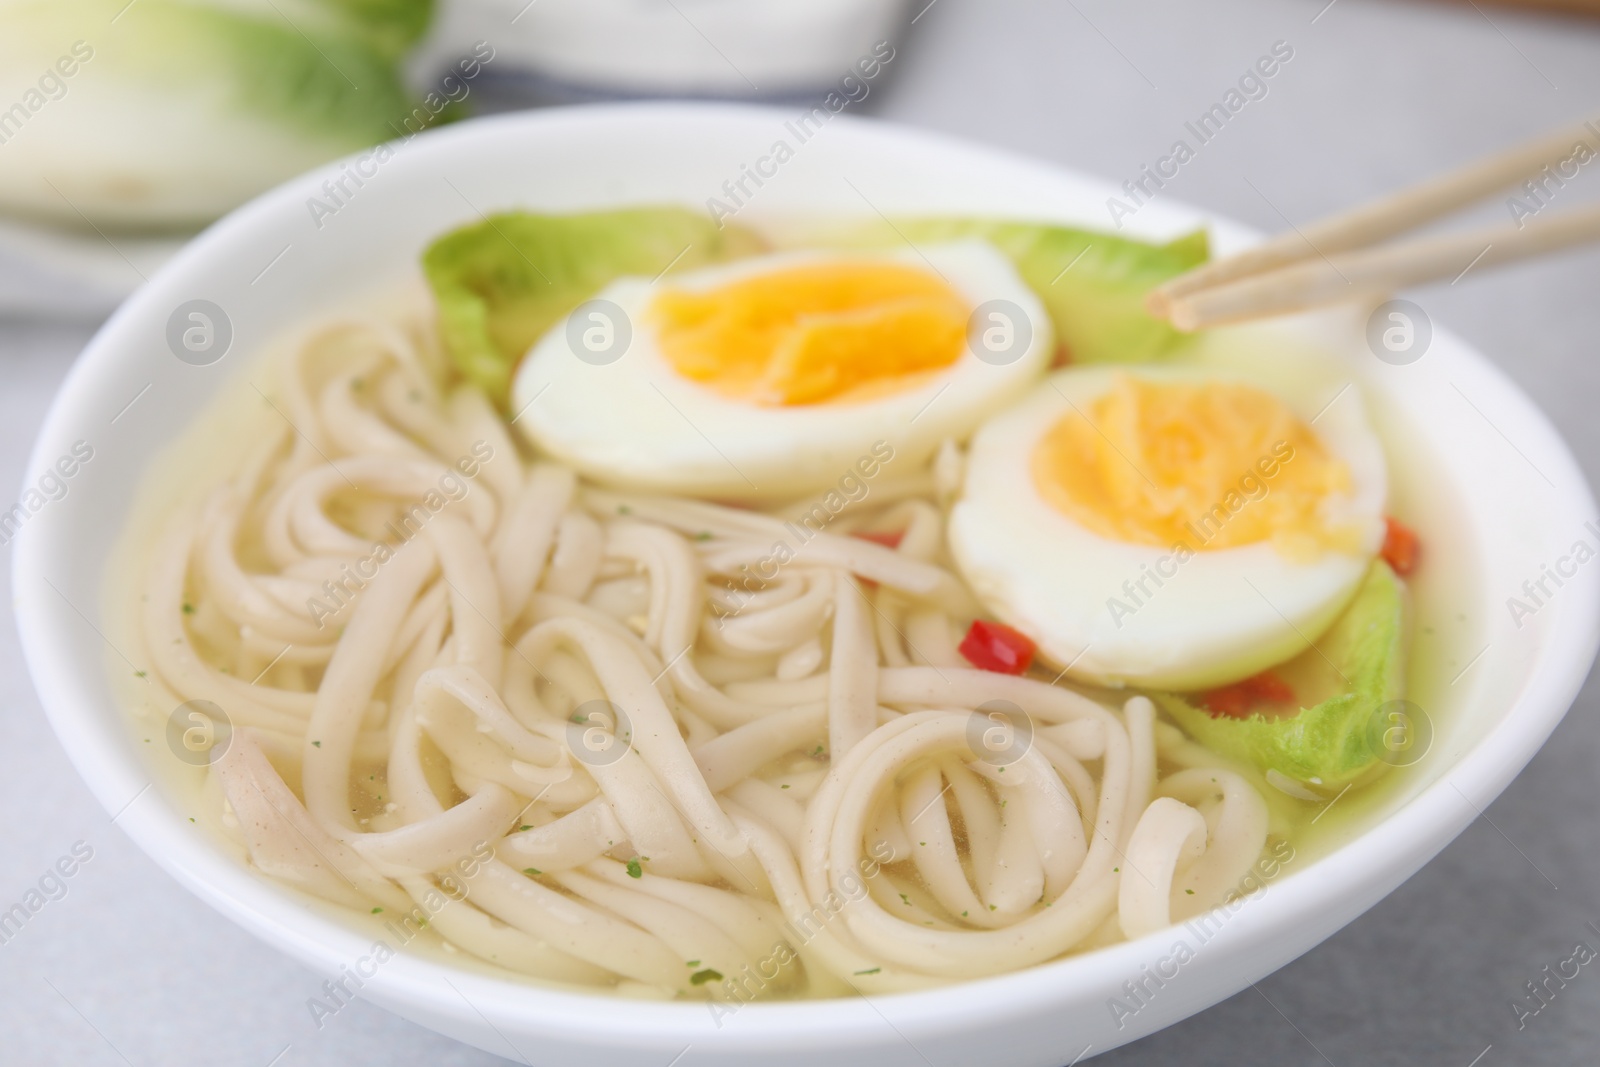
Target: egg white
x=637 y=423
x=1222 y=615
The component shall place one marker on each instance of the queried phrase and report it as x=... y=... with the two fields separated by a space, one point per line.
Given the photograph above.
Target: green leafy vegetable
x=392 y=26
x=1093 y=284
x=1332 y=742
x=500 y=284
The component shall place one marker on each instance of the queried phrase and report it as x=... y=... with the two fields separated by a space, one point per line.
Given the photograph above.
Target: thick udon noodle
x=803 y=794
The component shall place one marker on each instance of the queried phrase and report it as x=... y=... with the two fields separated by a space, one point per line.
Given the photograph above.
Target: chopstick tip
x=1183 y=316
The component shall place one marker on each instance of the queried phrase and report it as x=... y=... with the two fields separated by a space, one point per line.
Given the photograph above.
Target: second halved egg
x=1170 y=527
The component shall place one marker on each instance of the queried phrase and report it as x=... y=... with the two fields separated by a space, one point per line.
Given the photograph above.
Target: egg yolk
x=813 y=333
x=1209 y=465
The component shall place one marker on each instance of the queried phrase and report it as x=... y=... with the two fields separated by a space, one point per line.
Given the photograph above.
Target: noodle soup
x=830 y=672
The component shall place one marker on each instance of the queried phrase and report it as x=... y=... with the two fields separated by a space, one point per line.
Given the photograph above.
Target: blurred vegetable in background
x=167 y=113
x=127 y=125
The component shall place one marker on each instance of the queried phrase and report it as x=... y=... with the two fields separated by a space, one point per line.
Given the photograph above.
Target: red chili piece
x=887 y=540
x=1231 y=702
x=993 y=646
x=1239 y=700
x=1401 y=546
x=1269 y=687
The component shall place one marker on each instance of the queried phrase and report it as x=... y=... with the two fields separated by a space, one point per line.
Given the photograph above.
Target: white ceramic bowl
x=269 y=265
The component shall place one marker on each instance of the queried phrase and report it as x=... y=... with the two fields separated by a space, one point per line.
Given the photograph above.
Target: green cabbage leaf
x=1346 y=736
x=499 y=284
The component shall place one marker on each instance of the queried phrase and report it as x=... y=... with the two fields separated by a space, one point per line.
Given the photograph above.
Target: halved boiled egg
x=775 y=375
x=1170 y=527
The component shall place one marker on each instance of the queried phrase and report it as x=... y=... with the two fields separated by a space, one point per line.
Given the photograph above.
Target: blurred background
x=127 y=125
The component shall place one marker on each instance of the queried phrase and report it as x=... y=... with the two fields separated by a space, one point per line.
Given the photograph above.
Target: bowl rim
x=1405 y=840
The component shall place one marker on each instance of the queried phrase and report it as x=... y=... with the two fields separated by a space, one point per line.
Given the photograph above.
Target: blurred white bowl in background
x=721 y=48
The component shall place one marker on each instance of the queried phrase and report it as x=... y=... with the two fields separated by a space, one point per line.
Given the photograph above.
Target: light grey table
x=128 y=968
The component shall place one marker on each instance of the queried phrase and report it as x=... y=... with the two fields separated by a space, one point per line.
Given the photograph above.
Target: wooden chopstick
x=1304 y=285
x=1580 y=7
x=1414 y=206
